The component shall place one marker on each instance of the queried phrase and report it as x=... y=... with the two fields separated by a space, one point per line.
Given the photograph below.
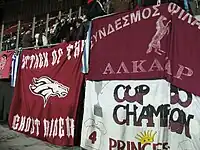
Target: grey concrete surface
x=10 y=140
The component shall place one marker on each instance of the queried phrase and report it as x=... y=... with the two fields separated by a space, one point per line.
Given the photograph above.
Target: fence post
x=70 y=15
x=47 y=26
x=18 y=32
x=108 y=6
x=33 y=27
x=79 y=12
x=59 y=15
x=1 y=40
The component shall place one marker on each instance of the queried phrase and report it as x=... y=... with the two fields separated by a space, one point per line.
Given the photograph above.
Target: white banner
x=139 y=115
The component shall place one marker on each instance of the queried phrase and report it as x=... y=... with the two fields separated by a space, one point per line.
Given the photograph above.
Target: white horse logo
x=162 y=30
x=46 y=87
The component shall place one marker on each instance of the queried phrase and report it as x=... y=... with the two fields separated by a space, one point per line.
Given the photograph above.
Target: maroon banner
x=47 y=93
x=5 y=64
x=138 y=45
x=185 y=51
x=130 y=45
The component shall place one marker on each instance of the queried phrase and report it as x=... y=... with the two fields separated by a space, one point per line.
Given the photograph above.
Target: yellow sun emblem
x=146 y=137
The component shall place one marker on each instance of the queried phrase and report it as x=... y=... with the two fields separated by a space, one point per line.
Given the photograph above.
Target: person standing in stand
x=27 y=40
x=94 y=9
x=40 y=38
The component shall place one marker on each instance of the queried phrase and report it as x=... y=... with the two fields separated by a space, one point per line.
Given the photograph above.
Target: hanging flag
x=147 y=43
x=46 y=95
x=86 y=52
x=130 y=45
x=5 y=64
x=14 y=68
x=139 y=115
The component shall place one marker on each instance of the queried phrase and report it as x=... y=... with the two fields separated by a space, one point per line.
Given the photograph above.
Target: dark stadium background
x=13 y=10
x=1 y=10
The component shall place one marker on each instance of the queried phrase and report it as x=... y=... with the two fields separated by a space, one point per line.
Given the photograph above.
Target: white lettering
x=108 y=69
x=125 y=19
x=33 y=126
x=28 y=124
x=148 y=14
x=55 y=129
x=54 y=55
x=26 y=61
x=36 y=62
x=61 y=129
x=82 y=45
x=22 y=124
x=102 y=33
x=173 y=8
x=60 y=53
x=23 y=62
x=110 y=29
x=156 y=12
x=72 y=127
x=41 y=61
x=51 y=128
x=118 y=24
x=135 y=17
x=46 y=127
x=95 y=36
x=183 y=71
x=122 y=66
x=139 y=66
x=156 y=64
x=32 y=60
x=168 y=67
x=37 y=123
x=15 y=122
x=68 y=126
x=46 y=62
x=189 y=18
x=77 y=49
x=69 y=49
x=181 y=14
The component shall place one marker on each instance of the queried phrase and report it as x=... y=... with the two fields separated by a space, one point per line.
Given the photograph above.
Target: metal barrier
x=1 y=40
x=80 y=12
x=33 y=27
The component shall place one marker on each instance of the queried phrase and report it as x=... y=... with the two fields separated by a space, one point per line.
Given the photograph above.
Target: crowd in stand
x=59 y=30
x=67 y=28
x=62 y=29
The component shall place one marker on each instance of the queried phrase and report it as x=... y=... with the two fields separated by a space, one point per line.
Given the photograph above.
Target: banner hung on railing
x=5 y=64
x=139 y=115
x=151 y=42
x=47 y=93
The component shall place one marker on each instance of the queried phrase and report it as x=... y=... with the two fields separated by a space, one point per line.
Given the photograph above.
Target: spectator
x=64 y=34
x=94 y=9
x=54 y=26
x=27 y=40
x=55 y=32
x=78 y=32
x=41 y=39
x=72 y=31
